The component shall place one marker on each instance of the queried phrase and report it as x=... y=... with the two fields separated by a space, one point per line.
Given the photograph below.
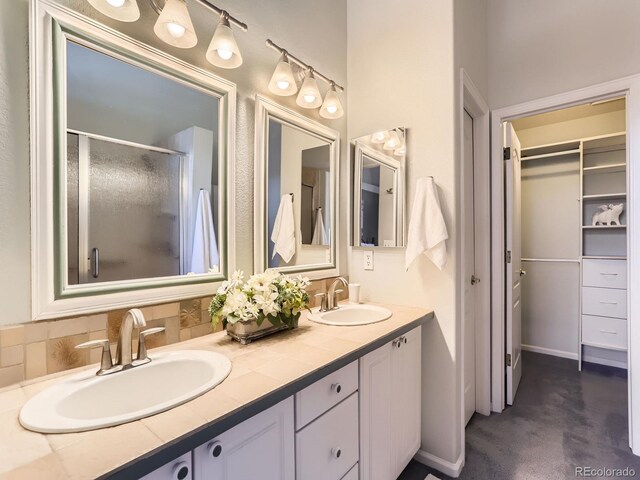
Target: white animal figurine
x=609 y=215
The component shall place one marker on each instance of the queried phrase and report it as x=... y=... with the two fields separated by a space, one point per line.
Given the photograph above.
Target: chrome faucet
x=124 y=356
x=332 y=301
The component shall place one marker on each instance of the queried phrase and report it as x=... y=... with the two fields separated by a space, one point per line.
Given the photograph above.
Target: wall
x=422 y=99
x=541 y=48
x=314 y=31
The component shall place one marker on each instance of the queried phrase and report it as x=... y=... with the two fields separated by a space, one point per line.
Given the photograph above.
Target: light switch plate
x=368 y=259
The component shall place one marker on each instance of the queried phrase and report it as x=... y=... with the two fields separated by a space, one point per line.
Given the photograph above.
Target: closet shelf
x=615 y=167
x=604 y=257
x=552 y=154
x=605 y=195
x=604 y=227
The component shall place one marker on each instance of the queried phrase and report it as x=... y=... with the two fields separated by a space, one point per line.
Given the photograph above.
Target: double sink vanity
x=320 y=401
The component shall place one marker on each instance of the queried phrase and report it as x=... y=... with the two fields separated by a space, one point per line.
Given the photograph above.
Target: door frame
x=474 y=103
x=629 y=87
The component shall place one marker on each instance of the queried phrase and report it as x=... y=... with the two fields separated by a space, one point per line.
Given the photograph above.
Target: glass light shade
x=332 y=108
x=223 y=50
x=124 y=11
x=283 y=82
x=400 y=151
x=174 y=25
x=380 y=137
x=393 y=141
x=309 y=95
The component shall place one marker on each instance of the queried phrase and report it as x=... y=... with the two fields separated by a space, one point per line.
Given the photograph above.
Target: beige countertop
x=261 y=369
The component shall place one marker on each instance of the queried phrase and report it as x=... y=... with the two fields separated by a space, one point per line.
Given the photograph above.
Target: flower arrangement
x=268 y=296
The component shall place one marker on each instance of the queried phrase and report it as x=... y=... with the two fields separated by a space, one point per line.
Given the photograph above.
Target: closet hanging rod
x=595 y=150
x=551 y=260
x=553 y=154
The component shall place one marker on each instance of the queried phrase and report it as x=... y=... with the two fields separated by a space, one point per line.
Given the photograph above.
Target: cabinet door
x=260 y=447
x=406 y=367
x=376 y=401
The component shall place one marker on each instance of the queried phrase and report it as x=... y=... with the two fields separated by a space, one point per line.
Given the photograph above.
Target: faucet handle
x=142 y=357
x=323 y=301
x=106 y=362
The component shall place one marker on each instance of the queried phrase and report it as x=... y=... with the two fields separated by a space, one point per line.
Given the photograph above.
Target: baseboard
x=448 y=468
x=550 y=351
x=604 y=361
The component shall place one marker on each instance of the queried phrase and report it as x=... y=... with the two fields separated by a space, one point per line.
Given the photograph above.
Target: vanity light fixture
x=283 y=83
x=380 y=137
x=331 y=108
x=223 y=50
x=123 y=10
x=400 y=151
x=174 y=25
x=309 y=95
x=393 y=141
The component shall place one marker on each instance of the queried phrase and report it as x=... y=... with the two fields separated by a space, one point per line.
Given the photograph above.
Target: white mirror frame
x=399 y=214
x=50 y=26
x=266 y=109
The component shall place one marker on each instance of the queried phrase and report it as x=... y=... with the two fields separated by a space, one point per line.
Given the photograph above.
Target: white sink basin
x=351 y=314
x=87 y=402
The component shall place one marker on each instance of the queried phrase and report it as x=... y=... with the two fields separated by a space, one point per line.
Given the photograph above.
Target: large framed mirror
x=296 y=192
x=379 y=181
x=132 y=173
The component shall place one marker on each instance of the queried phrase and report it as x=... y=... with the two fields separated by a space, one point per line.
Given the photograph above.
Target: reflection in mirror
x=142 y=172
x=295 y=199
x=378 y=190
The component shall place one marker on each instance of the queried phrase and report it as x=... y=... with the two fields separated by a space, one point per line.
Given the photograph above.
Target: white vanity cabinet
x=178 y=469
x=390 y=397
x=261 y=447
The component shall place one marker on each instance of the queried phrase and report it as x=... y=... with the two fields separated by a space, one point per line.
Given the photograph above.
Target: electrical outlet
x=368 y=259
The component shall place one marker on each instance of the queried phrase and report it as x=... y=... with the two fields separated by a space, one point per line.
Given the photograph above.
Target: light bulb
x=116 y=3
x=283 y=84
x=224 y=53
x=121 y=10
x=309 y=98
x=176 y=30
x=332 y=109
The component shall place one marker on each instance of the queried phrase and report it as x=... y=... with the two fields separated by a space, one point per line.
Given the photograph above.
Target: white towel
x=320 y=236
x=427 y=230
x=284 y=227
x=204 y=255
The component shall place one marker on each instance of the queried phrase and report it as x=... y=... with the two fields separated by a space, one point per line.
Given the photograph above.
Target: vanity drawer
x=604 y=302
x=604 y=332
x=604 y=273
x=316 y=399
x=327 y=448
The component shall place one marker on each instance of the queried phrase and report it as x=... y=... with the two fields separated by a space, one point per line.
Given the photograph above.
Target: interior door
x=513 y=261
x=470 y=279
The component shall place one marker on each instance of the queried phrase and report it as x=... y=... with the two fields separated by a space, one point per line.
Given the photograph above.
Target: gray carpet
x=562 y=419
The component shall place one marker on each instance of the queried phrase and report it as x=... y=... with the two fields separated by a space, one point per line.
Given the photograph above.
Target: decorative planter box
x=246 y=332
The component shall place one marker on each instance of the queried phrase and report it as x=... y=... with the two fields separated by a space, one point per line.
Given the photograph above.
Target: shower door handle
x=95 y=263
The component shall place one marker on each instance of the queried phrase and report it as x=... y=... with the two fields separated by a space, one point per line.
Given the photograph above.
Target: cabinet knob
x=180 y=471
x=215 y=449
x=336 y=387
x=397 y=343
x=336 y=452
x=404 y=340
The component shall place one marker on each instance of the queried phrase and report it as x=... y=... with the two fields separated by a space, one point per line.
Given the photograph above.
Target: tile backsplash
x=32 y=350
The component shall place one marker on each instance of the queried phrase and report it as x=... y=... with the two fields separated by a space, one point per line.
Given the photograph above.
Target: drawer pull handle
x=336 y=387
x=610 y=332
x=180 y=471
x=608 y=303
x=336 y=452
x=215 y=449
x=605 y=273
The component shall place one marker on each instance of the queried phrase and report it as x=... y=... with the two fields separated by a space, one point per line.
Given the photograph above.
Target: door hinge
x=508 y=359
x=507 y=256
x=506 y=153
